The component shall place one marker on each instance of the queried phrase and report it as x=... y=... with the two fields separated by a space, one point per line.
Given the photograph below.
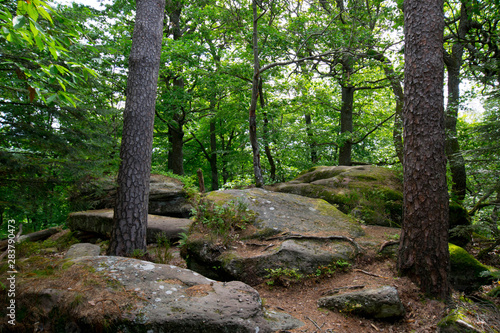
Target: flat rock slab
x=289 y=212
x=380 y=303
x=82 y=250
x=179 y=300
x=276 y=213
x=101 y=222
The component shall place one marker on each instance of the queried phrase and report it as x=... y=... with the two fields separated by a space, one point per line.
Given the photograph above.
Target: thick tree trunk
x=310 y=136
x=252 y=118
x=423 y=249
x=453 y=63
x=265 y=134
x=345 y=151
x=131 y=208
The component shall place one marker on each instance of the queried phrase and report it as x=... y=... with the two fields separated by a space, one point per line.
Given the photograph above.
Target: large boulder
x=100 y=222
x=130 y=295
x=167 y=196
x=379 y=303
x=370 y=193
x=290 y=231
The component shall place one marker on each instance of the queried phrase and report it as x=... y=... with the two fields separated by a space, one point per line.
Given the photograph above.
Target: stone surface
x=167 y=196
x=275 y=213
x=380 y=303
x=82 y=250
x=101 y=222
x=170 y=299
x=370 y=193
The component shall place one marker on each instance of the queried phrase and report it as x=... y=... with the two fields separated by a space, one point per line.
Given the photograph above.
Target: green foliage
x=138 y=254
x=283 y=276
x=162 y=250
x=223 y=221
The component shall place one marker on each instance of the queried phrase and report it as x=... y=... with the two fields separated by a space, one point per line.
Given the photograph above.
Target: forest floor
x=299 y=299
x=371 y=271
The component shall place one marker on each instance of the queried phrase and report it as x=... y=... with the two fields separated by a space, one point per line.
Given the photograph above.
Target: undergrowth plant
x=223 y=221
x=162 y=250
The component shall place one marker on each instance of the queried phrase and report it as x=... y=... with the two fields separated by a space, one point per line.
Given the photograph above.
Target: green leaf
x=19 y=21
x=53 y=70
x=33 y=29
x=32 y=12
x=53 y=51
x=39 y=42
x=45 y=15
x=51 y=99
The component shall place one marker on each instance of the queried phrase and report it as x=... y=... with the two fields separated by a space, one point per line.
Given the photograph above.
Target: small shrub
x=283 y=276
x=162 y=250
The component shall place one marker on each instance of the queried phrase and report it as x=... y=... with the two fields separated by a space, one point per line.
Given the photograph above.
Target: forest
x=329 y=91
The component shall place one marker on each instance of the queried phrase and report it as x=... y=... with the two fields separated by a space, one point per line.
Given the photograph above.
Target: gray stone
x=380 y=303
x=101 y=222
x=276 y=213
x=173 y=299
x=82 y=250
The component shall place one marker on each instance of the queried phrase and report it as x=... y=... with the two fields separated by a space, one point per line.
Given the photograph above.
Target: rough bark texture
x=345 y=151
x=252 y=118
x=131 y=208
x=213 y=157
x=453 y=63
x=423 y=250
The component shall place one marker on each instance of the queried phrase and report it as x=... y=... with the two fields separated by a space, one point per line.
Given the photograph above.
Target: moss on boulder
x=466 y=271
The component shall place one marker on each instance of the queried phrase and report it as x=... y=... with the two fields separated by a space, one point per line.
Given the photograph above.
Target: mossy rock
x=457 y=322
x=372 y=194
x=466 y=272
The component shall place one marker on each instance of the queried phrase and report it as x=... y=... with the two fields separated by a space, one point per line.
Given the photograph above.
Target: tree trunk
x=131 y=207
x=213 y=157
x=252 y=118
x=310 y=136
x=453 y=63
x=345 y=151
x=265 y=134
x=423 y=249
x=176 y=153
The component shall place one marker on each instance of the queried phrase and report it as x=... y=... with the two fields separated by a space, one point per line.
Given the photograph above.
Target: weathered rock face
x=101 y=222
x=276 y=213
x=82 y=250
x=162 y=298
x=372 y=194
x=380 y=303
x=167 y=196
x=457 y=321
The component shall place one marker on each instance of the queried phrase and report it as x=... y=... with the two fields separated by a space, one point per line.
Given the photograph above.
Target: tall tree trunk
x=423 y=248
x=265 y=134
x=310 y=136
x=345 y=151
x=176 y=132
x=131 y=207
x=453 y=63
x=213 y=157
x=252 y=117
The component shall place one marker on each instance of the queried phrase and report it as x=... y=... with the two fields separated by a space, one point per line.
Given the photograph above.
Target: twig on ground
x=387 y=243
x=371 y=274
x=312 y=321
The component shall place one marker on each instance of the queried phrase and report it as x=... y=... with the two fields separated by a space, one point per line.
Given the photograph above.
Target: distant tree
x=423 y=249
x=131 y=208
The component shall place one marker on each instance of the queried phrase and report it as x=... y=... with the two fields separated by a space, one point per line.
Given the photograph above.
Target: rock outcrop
x=379 y=303
x=167 y=196
x=466 y=272
x=100 y=222
x=289 y=231
x=147 y=297
x=370 y=193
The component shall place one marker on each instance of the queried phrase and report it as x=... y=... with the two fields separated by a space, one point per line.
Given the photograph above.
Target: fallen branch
x=387 y=243
x=286 y=236
x=371 y=274
x=312 y=321
x=33 y=237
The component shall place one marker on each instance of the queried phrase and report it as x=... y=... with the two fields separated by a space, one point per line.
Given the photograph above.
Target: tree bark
x=453 y=63
x=345 y=151
x=131 y=207
x=310 y=136
x=265 y=135
x=423 y=249
x=213 y=157
x=252 y=117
